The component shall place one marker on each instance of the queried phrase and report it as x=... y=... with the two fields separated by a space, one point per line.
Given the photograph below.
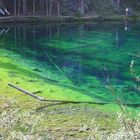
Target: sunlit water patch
x=86 y=62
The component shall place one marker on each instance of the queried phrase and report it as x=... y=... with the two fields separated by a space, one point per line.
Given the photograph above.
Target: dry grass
x=129 y=129
x=17 y=124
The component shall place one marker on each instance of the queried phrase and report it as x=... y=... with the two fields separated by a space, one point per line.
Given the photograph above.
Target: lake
x=81 y=62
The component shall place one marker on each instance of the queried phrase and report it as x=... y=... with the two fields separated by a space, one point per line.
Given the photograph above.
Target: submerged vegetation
x=77 y=62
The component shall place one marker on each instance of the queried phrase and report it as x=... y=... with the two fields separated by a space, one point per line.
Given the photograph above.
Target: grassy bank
x=44 y=19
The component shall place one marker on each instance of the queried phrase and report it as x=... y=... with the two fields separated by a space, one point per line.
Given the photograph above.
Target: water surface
x=100 y=61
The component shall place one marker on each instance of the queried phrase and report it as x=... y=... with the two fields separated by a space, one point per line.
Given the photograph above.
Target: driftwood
x=45 y=100
x=64 y=101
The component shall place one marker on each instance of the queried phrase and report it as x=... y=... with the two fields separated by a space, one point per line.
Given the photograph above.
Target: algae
x=76 y=62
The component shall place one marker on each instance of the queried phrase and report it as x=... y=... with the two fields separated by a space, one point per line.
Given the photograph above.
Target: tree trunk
x=19 y=4
x=34 y=6
x=50 y=8
x=42 y=6
x=82 y=7
x=58 y=7
x=118 y=2
x=46 y=4
x=24 y=6
x=15 y=7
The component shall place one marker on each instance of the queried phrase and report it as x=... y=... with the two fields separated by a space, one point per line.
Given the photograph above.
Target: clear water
x=100 y=60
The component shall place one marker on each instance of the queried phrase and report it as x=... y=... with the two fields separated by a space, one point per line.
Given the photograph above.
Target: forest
x=67 y=7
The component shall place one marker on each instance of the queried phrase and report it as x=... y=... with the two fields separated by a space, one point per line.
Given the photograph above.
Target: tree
x=15 y=7
x=118 y=2
x=41 y=6
x=19 y=7
x=46 y=7
x=81 y=7
x=34 y=6
x=24 y=6
x=58 y=7
x=50 y=7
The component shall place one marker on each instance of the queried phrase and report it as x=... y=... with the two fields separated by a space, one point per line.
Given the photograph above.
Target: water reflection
x=127 y=26
x=4 y=30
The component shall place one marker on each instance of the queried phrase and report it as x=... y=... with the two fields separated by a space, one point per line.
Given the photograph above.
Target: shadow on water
x=47 y=106
x=42 y=108
x=86 y=57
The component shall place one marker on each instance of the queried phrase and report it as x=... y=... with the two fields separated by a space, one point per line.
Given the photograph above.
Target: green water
x=91 y=61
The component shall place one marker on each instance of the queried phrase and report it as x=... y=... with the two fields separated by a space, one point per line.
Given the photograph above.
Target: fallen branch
x=27 y=92
x=43 y=99
x=135 y=55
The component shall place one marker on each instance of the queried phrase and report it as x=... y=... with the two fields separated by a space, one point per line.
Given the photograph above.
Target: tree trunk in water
x=15 y=34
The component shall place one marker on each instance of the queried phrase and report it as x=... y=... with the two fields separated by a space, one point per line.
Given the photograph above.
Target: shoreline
x=46 y=19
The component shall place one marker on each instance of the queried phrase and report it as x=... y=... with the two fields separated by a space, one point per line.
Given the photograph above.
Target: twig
x=45 y=100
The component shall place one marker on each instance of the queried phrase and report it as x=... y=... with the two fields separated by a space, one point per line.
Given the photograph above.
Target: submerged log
x=27 y=92
x=49 y=100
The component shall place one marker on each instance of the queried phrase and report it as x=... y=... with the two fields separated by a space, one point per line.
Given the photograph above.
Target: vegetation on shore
x=45 y=19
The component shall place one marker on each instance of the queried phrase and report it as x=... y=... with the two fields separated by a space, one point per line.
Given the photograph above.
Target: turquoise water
x=100 y=60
